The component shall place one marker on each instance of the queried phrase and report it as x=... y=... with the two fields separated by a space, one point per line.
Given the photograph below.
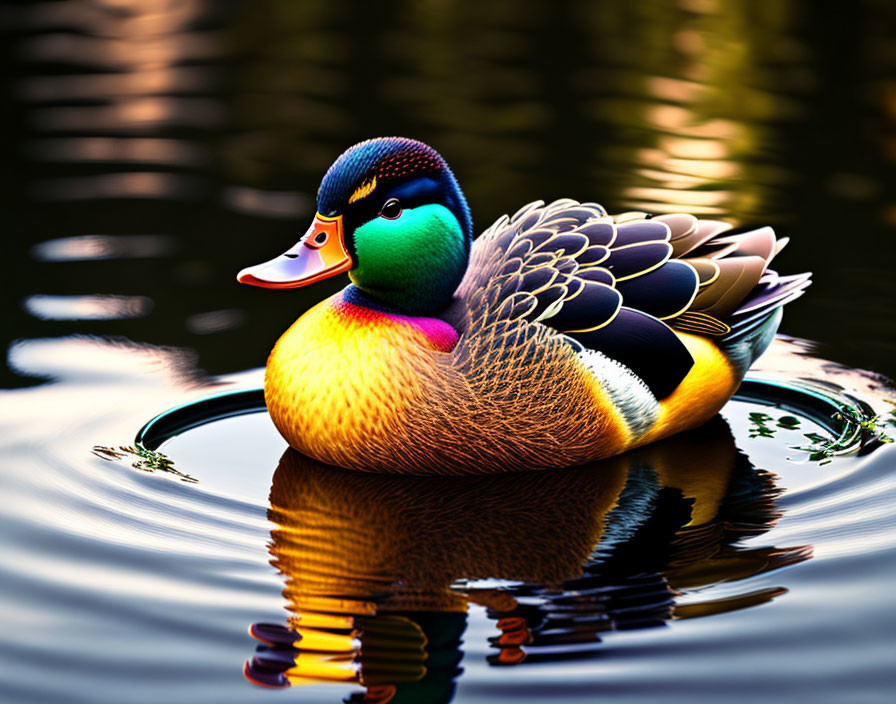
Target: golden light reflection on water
x=689 y=91
x=695 y=90
x=148 y=81
x=138 y=69
x=136 y=184
x=119 y=149
x=93 y=247
x=87 y=307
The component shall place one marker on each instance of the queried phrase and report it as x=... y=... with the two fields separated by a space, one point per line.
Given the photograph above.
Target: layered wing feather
x=619 y=284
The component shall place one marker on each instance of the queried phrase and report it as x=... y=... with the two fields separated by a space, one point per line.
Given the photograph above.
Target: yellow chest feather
x=335 y=379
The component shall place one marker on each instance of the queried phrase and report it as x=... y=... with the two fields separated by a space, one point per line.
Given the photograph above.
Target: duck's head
x=390 y=213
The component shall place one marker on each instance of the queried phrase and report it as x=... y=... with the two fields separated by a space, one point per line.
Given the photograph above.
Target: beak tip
x=245 y=276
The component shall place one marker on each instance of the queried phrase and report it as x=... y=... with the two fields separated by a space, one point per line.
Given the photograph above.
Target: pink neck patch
x=440 y=334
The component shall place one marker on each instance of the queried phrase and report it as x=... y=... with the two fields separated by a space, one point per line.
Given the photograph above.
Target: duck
x=559 y=336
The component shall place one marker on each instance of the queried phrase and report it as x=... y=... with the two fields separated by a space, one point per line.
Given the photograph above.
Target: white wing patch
x=629 y=394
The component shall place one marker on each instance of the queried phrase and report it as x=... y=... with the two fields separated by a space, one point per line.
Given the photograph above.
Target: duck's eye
x=391 y=209
x=320 y=237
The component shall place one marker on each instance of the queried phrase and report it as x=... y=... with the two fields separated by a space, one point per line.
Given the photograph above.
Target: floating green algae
x=143 y=459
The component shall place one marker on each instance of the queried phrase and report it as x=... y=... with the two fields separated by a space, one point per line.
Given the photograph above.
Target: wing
x=622 y=284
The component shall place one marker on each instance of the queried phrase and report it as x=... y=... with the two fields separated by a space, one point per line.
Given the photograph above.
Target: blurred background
x=152 y=148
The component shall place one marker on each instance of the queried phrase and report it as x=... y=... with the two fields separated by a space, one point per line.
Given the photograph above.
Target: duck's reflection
x=380 y=570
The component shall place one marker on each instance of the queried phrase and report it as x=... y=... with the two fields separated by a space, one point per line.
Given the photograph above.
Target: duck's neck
x=356 y=297
x=441 y=334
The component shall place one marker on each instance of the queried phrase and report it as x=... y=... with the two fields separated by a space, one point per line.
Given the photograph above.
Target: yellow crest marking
x=364 y=190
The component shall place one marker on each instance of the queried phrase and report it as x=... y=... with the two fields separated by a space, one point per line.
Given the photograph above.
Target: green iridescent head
x=390 y=213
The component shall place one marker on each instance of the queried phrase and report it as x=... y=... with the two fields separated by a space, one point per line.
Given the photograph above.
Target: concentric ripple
x=384 y=575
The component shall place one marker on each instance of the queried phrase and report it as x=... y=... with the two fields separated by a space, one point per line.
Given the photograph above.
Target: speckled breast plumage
x=361 y=389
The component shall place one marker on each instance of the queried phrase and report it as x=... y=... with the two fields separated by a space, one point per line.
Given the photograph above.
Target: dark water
x=154 y=148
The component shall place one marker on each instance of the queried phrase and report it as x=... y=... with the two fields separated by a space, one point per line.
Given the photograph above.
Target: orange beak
x=320 y=254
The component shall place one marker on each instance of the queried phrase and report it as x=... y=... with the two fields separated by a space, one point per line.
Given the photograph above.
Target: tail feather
x=740 y=290
x=755 y=322
x=772 y=289
x=745 y=295
x=764 y=299
x=743 y=347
